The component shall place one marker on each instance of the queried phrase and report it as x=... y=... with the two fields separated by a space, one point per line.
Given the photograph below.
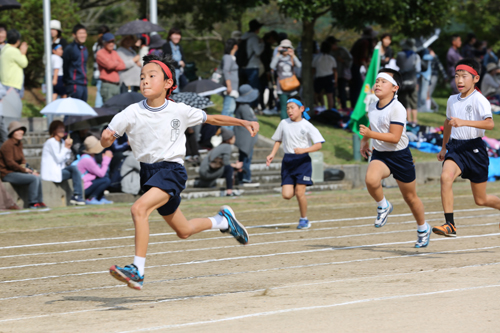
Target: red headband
x=467 y=69
x=167 y=71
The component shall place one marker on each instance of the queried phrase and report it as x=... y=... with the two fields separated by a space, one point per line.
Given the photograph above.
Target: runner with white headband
x=391 y=154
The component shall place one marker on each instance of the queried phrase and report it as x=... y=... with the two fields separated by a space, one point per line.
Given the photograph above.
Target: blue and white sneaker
x=423 y=237
x=105 y=201
x=382 y=214
x=304 y=224
x=128 y=274
x=235 y=227
x=92 y=201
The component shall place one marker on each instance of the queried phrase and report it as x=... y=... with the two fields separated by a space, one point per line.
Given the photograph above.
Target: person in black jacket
x=174 y=49
x=75 y=64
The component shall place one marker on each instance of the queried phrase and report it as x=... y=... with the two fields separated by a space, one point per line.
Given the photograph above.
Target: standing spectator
x=110 y=64
x=266 y=80
x=325 y=72
x=57 y=72
x=490 y=87
x=3 y=35
x=452 y=57
x=174 y=49
x=55 y=33
x=130 y=77
x=424 y=81
x=386 y=52
x=56 y=152
x=251 y=47
x=408 y=62
x=230 y=74
x=155 y=47
x=361 y=53
x=95 y=180
x=217 y=164
x=142 y=45
x=95 y=78
x=468 y=51
x=244 y=141
x=13 y=168
x=437 y=67
x=12 y=62
x=75 y=64
x=3 y=127
x=192 y=148
x=284 y=63
x=344 y=63
x=489 y=57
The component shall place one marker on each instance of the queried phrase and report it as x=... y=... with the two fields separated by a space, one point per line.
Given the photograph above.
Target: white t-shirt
x=157 y=134
x=324 y=64
x=381 y=120
x=473 y=107
x=57 y=63
x=296 y=134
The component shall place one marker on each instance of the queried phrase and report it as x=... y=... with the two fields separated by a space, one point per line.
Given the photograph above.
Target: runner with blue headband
x=299 y=103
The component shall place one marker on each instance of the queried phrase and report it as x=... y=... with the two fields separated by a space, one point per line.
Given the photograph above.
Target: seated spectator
x=3 y=126
x=207 y=131
x=13 y=167
x=325 y=75
x=155 y=47
x=118 y=148
x=244 y=141
x=77 y=147
x=192 y=150
x=490 y=85
x=130 y=173
x=110 y=64
x=6 y=201
x=95 y=180
x=56 y=152
x=217 y=164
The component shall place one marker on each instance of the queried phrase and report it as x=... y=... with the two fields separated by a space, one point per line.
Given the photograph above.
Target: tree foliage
x=485 y=12
x=29 y=22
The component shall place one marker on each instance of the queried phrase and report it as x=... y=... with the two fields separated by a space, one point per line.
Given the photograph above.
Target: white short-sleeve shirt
x=324 y=64
x=157 y=134
x=57 y=63
x=296 y=134
x=381 y=120
x=473 y=107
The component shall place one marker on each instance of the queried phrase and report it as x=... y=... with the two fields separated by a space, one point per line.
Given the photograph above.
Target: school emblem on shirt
x=468 y=108
x=176 y=124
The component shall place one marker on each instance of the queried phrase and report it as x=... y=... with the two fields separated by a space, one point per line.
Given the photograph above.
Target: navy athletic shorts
x=296 y=169
x=324 y=83
x=471 y=157
x=400 y=163
x=170 y=177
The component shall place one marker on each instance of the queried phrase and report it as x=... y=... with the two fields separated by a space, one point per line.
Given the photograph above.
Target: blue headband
x=299 y=103
x=57 y=46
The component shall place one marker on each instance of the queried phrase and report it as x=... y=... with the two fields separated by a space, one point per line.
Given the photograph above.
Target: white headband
x=390 y=79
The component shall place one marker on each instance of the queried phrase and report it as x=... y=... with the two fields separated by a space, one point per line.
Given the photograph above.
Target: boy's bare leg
x=450 y=172
x=409 y=192
x=377 y=171
x=184 y=227
x=287 y=191
x=300 y=193
x=483 y=199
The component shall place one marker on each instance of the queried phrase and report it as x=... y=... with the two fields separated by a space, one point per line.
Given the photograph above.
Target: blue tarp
x=426 y=147
x=494 y=169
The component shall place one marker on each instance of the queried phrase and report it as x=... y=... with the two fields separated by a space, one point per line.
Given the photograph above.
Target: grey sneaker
x=382 y=214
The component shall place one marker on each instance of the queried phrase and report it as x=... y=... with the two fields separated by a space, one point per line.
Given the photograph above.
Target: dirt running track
x=341 y=275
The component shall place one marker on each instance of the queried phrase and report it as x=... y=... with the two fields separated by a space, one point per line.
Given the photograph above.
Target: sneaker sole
x=240 y=239
x=440 y=232
x=306 y=227
x=385 y=220
x=120 y=277
x=76 y=203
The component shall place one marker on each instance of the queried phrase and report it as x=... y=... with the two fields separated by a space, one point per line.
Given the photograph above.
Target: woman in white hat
x=55 y=32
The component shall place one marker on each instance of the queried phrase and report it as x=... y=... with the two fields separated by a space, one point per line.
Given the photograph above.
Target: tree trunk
x=307 y=57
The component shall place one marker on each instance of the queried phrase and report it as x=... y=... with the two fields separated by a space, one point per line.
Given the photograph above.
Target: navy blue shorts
x=296 y=169
x=170 y=177
x=324 y=83
x=471 y=157
x=399 y=162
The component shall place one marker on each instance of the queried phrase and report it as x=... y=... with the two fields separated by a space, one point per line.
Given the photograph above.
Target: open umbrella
x=138 y=27
x=85 y=122
x=192 y=99
x=68 y=107
x=204 y=87
x=9 y=4
x=121 y=101
x=12 y=106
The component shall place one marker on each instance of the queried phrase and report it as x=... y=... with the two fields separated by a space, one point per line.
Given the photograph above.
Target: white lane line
x=308 y=308
x=251 y=257
x=249 y=227
x=313 y=239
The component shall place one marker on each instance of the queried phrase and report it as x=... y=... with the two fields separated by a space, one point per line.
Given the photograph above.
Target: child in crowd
x=296 y=134
x=325 y=76
x=391 y=154
x=464 y=153
x=155 y=128
x=57 y=72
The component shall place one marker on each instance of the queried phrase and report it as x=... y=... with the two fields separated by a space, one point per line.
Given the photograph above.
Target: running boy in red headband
x=155 y=129
x=468 y=114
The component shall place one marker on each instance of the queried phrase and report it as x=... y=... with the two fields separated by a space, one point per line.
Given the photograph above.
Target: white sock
x=219 y=222
x=383 y=203
x=139 y=262
x=303 y=218
x=422 y=227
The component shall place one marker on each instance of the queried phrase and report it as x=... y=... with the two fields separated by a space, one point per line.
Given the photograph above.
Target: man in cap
x=110 y=64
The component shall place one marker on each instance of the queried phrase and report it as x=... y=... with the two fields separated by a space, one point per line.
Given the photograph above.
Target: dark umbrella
x=120 y=102
x=204 y=87
x=76 y=123
x=9 y=4
x=192 y=99
x=138 y=27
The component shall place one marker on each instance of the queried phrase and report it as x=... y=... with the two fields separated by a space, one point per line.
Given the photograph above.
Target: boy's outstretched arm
x=107 y=138
x=219 y=120
x=270 y=157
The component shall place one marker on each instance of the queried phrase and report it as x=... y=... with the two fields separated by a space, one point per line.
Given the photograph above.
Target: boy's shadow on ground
x=117 y=303
x=375 y=249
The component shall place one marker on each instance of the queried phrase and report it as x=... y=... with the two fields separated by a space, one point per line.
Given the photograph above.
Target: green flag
x=359 y=116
